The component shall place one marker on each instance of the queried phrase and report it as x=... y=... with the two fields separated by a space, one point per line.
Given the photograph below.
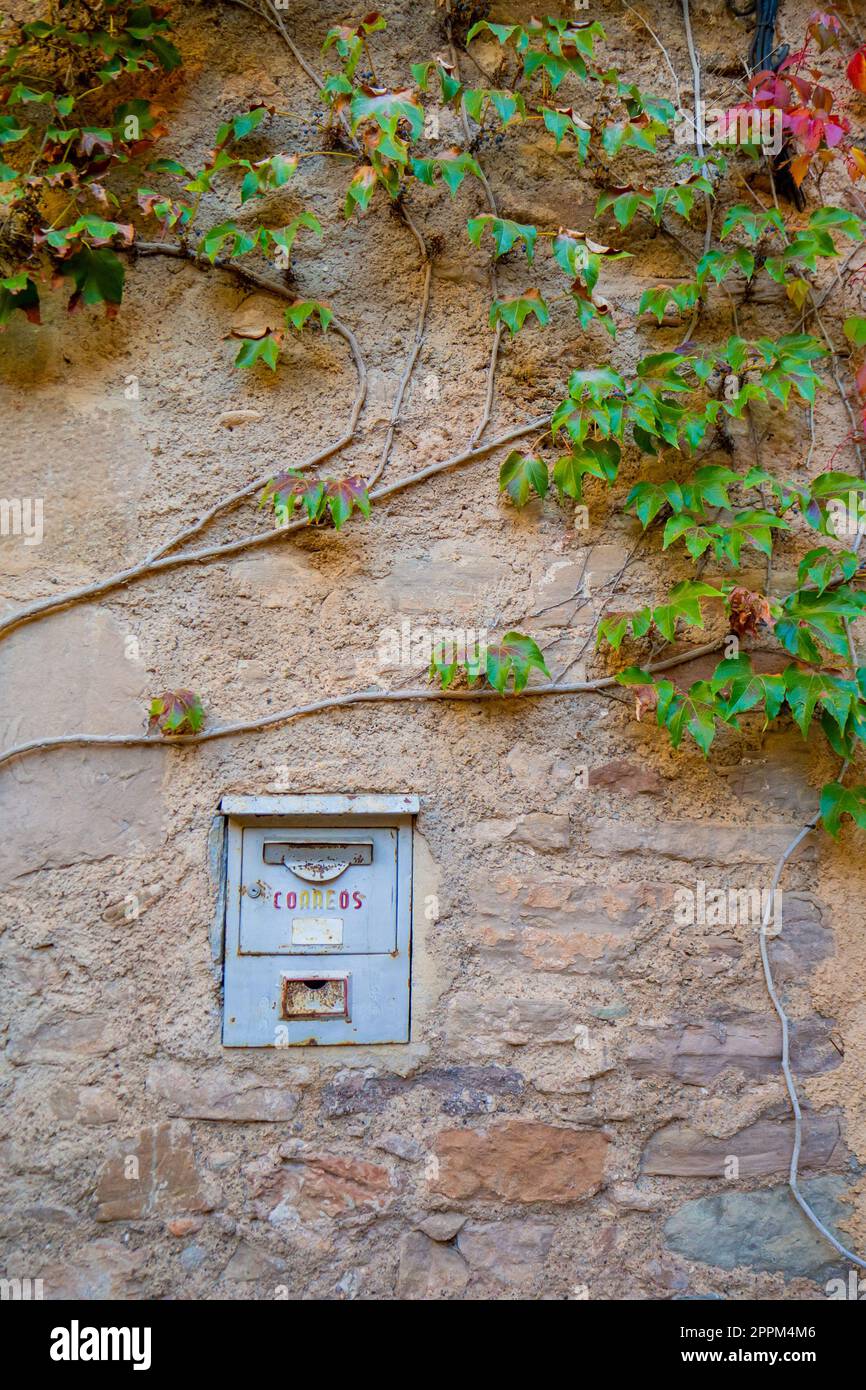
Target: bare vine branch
x=263 y=282
x=149 y=566
x=487 y=409
x=356 y=697
x=272 y=16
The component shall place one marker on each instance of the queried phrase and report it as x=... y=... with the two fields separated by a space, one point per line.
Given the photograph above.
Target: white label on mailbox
x=317 y=931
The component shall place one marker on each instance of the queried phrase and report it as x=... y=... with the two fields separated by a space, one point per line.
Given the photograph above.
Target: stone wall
x=584 y=1065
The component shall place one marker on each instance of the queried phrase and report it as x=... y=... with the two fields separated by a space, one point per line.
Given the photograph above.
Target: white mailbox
x=318 y=920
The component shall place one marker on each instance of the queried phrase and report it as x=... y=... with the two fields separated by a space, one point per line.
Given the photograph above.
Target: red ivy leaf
x=291 y=488
x=747 y=609
x=824 y=28
x=176 y=712
x=343 y=495
x=857 y=70
x=646 y=698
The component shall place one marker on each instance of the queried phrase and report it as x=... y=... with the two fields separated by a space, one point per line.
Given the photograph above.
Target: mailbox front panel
x=316 y=892
x=317 y=933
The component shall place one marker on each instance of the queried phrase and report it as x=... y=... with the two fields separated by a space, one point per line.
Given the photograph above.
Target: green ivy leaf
x=343 y=496
x=839 y=220
x=803 y=690
x=655 y=301
x=564 y=120
x=521 y=474
x=855 y=330
x=509 y=106
x=505 y=234
x=556 y=66
x=387 y=109
x=449 y=85
x=810 y=618
x=753 y=224
x=241 y=125
x=598 y=458
x=513 y=659
x=230 y=235
x=753 y=527
x=718 y=264
x=360 y=189
x=302 y=310
x=624 y=203
x=98 y=277
x=253 y=350
x=452 y=167
x=291 y=489
x=838 y=801
x=10 y=131
x=19 y=292
x=514 y=312
x=821 y=567
x=284 y=237
x=684 y=604
x=501 y=32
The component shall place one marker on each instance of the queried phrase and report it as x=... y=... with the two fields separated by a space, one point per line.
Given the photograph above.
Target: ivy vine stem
x=419 y=694
x=54 y=602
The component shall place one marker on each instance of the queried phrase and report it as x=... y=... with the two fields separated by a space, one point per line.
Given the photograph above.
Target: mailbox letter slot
x=312 y=996
x=316 y=863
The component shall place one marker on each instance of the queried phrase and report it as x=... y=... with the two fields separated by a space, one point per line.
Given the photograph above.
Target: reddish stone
x=320 y=1183
x=626 y=777
x=520 y=1161
x=155 y=1175
x=184 y=1225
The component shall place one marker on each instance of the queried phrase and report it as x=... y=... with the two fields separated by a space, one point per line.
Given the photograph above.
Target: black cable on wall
x=766 y=56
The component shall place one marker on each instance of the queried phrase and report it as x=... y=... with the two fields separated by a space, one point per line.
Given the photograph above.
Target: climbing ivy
x=79 y=123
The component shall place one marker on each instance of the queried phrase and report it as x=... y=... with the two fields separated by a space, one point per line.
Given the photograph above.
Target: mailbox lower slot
x=317 y=997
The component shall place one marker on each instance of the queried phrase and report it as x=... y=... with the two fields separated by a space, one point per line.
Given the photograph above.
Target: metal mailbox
x=318 y=918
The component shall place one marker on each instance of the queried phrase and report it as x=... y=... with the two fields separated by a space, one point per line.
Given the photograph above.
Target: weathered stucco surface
x=581 y=1065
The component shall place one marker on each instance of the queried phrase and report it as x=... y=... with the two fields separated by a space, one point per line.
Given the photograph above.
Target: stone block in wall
x=400 y=1146
x=555 y=923
x=250 y=1265
x=519 y=1161
x=778 y=779
x=451 y=582
x=696 y=1052
x=805 y=940
x=219 y=1094
x=483 y=1023
x=561 y=594
x=461 y=1090
x=442 y=1225
x=539 y=770
x=763 y=1230
x=429 y=1270
x=632 y=779
x=154 y=1175
x=359 y=1092
x=762 y=1149
x=101 y=1270
x=86 y=1105
x=59 y=1038
x=309 y=1183
x=546 y=831
x=697 y=842
x=467 y=1091
x=512 y=1252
